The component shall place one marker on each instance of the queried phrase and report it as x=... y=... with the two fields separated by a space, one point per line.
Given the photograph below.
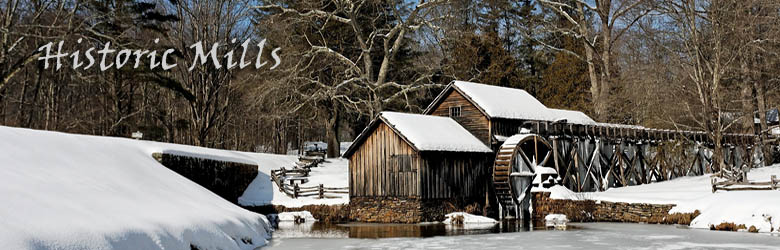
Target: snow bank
x=434 y=133
x=752 y=208
x=467 y=218
x=290 y=216
x=68 y=191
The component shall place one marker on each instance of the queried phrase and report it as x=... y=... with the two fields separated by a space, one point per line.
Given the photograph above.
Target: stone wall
x=405 y=210
x=226 y=179
x=604 y=211
x=323 y=213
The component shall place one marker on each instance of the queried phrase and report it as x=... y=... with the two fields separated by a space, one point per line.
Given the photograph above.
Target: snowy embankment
x=751 y=208
x=66 y=191
x=70 y=191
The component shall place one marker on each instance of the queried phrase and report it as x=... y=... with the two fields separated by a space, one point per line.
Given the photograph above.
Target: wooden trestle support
x=590 y=158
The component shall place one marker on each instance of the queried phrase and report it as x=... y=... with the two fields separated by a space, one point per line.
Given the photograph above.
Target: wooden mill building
x=494 y=113
x=412 y=168
x=401 y=161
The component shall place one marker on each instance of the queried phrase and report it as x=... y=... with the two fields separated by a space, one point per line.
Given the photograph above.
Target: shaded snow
x=434 y=133
x=69 y=191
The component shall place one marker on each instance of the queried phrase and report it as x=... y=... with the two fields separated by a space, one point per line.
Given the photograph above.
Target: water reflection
x=377 y=230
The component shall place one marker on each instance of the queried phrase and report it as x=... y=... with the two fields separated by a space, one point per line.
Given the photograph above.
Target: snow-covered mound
x=467 y=218
x=752 y=208
x=291 y=216
x=65 y=191
x=556 y=220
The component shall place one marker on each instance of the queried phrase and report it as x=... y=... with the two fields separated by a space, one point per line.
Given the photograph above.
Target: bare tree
x=22 y=21
x=599 y=35
x=206 y=89
x=341 y=77
x=706 y=49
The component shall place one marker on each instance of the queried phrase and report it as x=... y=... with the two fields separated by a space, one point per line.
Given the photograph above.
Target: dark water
x=378 y=230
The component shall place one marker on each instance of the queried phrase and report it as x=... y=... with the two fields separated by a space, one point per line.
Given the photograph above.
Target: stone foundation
x=604 y=211
x=323 y=213
x=405 y=210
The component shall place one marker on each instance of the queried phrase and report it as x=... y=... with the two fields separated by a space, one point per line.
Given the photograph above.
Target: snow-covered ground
x=332 y=173
x=65 y=191
x=752 y=208
x=70 y=191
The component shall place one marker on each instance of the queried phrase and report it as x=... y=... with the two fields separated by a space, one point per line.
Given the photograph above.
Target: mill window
x=404 y=162
x=455 y=111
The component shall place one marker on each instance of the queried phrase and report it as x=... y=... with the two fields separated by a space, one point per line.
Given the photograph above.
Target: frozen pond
x=585 y=236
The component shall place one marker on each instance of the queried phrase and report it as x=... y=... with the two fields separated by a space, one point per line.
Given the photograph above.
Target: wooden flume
x=591 y=158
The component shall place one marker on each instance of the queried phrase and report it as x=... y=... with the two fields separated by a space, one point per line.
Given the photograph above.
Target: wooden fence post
x=774 y=182
x=295 y=191
x=322 y=191
x=714 y=187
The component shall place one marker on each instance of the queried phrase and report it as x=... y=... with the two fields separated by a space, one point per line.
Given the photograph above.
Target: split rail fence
x=289 y=182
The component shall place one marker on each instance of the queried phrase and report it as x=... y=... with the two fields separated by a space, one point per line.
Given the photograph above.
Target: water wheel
x=515 y=169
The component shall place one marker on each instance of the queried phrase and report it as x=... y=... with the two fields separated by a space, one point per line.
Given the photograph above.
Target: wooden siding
x=454 y=175
x=505 y=127
x=471 y=118
x=374 y=171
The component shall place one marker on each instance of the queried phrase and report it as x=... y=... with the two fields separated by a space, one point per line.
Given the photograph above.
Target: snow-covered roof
x=572 y=116
x=501 y=102
x=615 y=125
x=426 y=133
x=510 y=103
x=434 y=133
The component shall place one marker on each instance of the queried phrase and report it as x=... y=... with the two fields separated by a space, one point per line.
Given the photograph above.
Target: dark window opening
x=455 y=111
x=405 y=163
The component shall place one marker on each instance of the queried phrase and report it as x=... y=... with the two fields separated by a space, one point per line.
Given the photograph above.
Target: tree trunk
x=333 y=134
x=761 y=103
x=748 y=109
